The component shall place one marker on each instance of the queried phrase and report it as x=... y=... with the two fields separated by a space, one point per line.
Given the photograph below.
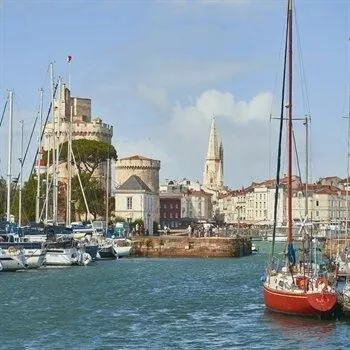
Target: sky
x=158 y=70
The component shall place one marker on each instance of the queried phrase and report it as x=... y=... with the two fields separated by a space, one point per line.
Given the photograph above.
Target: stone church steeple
x=213 y=177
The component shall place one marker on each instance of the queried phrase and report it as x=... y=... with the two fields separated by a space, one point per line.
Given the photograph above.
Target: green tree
x=94 y=194
x=89 y=154
x=3 y=195
x=28 y=200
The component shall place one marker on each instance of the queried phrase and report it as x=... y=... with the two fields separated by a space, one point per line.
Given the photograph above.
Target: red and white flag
x=69 y=58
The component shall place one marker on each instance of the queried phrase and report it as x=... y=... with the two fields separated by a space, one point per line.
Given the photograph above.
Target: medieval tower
x=214 y=163
x=83 y=126
x=147 y=170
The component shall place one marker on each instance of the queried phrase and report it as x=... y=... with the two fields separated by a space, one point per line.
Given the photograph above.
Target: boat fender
x=12 y=250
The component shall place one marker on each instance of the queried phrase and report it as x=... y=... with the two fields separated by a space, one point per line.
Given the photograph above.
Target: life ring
x=322 y=280
x=11 y=250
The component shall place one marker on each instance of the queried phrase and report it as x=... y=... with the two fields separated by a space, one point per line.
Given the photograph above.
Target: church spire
x=213 y=146
x=213 y=169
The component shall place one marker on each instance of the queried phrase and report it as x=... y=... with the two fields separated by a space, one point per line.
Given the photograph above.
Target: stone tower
x=147 y=170
x=83 y=127
x=213 y=178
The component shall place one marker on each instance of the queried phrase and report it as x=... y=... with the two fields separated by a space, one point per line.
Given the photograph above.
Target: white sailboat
x=11 y=258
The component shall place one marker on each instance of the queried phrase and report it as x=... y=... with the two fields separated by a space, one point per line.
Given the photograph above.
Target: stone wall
x=146 y=169
x=185 y=247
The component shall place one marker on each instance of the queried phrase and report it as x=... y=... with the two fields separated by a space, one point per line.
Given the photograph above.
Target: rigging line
x=280 y=138
x=297 y=158
x=277 y=71
x=43 y=130
x=304 y=89
x=4 y=110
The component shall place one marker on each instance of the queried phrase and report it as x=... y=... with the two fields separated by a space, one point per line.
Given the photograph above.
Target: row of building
x=176 y=203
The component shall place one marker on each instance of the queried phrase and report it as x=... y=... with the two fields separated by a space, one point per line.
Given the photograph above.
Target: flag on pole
x=69 y=58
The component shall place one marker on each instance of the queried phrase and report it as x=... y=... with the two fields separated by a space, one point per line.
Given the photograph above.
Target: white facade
x=135 y=205
x=254 y=205
x=196 y=205
x=148 y=171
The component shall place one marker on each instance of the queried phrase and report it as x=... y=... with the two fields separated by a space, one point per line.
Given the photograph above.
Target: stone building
x=147 y=170
x=134 y=200
x=183 y=202
x=83 y=126
x=213 y=178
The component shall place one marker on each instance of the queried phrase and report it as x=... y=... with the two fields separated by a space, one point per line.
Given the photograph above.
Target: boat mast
x=57 y=157
x=107 y=191
x=54 y=174
x=347 y=180
x=69 y=165
x=37 y=204
x=290 y=123
x=9 y=158
x=20 y=179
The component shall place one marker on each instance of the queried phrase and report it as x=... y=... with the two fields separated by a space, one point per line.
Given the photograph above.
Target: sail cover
x=291 y=254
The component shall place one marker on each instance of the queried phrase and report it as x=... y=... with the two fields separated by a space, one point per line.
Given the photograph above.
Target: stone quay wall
x=186 y=247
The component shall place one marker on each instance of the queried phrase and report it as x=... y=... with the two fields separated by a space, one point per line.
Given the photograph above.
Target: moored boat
x=296 y=288
x=122 y=247
x=12 y=259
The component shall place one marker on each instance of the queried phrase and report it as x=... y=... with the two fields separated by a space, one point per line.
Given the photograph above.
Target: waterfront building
x=134 y=200
x=147 y=170
x=170 y=210
x=83 y=126
x=183 y=202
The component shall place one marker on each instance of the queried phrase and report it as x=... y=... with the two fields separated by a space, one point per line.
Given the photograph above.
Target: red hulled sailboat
x=296 y=288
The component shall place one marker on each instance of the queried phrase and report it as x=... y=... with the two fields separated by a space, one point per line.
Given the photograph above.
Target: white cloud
x=181 y=143
x=225 y=104
x=153 y=94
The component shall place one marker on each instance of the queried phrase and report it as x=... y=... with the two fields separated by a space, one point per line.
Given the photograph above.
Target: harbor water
x=141 y=303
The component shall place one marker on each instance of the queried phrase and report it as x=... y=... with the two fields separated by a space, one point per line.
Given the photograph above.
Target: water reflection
x=299 y=327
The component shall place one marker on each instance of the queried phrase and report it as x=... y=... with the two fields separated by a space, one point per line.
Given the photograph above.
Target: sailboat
x=295 y=288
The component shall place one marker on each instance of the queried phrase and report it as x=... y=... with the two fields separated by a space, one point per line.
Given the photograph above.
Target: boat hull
x=62 y=257
x=12 y=262
x=304 y=304
x=35 y=258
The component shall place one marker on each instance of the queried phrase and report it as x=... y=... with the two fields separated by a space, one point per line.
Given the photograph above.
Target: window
x=317 y=203
x=176 y=216
x=176 y=206
x=164 y=206
x=129 y=203
x=170 y=215
x=171 y=206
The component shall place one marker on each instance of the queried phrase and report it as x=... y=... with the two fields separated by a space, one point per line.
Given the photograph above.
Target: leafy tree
x=94 y=193
x=119 y=219
x=28 y=200
x=3 y=195
x=89 y=154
